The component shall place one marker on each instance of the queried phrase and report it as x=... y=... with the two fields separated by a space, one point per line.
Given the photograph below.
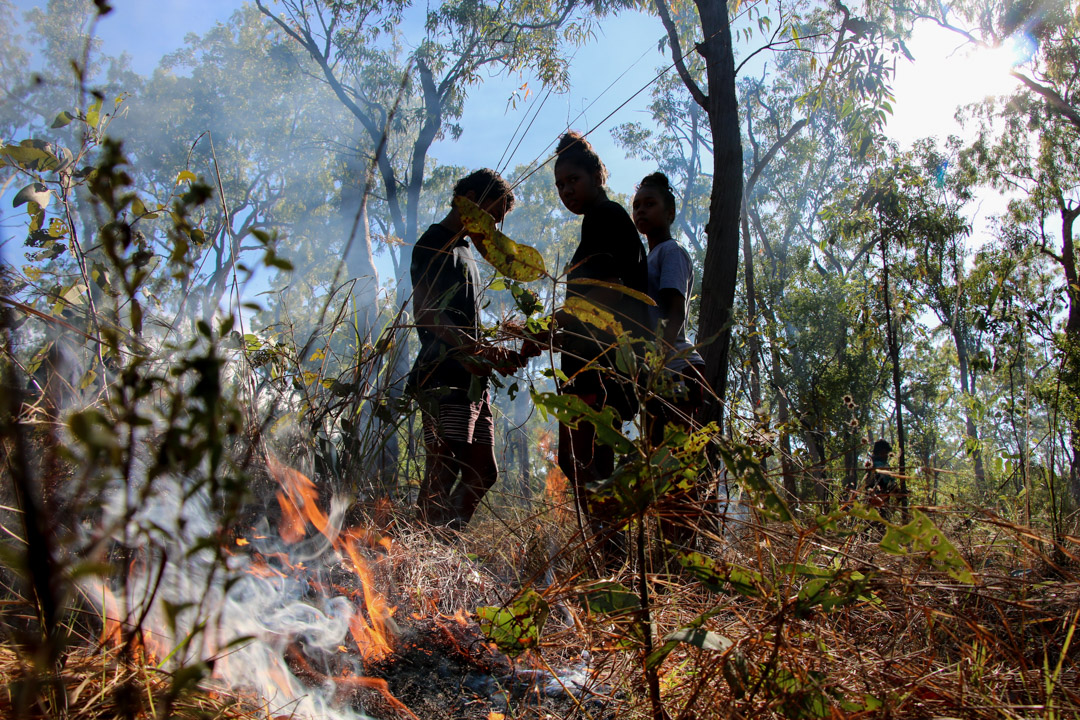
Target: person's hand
x=500 y=359
x=529 y=349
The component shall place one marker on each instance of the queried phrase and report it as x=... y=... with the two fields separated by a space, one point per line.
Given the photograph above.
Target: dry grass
x=915 y=644
x=93 y=684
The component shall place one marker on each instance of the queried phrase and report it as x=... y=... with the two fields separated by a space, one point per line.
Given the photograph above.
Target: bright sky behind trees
x=605 y=77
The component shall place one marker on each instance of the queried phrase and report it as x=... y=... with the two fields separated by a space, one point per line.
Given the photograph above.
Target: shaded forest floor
x=906 y=640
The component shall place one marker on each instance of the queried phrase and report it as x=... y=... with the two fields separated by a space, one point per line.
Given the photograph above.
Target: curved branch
x=677 y=55
x=1053 y=100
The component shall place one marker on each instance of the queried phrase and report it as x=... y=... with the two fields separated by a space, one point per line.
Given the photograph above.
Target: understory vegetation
x=209 y=460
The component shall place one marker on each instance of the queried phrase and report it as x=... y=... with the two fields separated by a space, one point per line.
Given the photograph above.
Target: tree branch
x=677 y=55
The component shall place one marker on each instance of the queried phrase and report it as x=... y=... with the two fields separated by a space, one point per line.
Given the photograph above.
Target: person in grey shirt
x=670 y=282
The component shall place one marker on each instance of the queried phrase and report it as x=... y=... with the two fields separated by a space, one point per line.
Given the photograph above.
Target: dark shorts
x=452 y=417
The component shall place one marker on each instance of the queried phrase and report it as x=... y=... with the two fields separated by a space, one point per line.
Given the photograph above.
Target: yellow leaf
x=517 y=262
x=636 y=294
x=185 y=175
x=596 y=316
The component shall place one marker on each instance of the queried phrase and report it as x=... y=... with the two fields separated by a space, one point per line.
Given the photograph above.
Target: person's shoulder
x=435 y=237
x=671 y=249
x=611 y=210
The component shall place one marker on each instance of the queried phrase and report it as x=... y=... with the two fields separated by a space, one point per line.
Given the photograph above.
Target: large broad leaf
x=33 y=155
x=921 y=535
x=516 y=627
x=594 y=315
x=742 y=461
x=691 y=634
x=570 y=410
x=610 y=598
x=515 y=261
x=35 y=193
x=721 y=577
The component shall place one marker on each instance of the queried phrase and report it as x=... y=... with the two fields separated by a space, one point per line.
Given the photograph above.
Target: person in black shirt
x=449 y=376
x=610 y=251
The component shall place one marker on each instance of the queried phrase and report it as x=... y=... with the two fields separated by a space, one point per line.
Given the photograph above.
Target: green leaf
x=35 y=193
x=610 y=598
x=62 y=120
x=921 y=535
x=93 y=115
x=517 y=262
x=717 y=575
x=516 y=627
x=684 y=634
x=570 y=410
x=742 y=461
x=29 y=155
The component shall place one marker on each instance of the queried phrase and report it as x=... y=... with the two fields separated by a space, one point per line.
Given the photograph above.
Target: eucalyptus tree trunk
x=1072 y=339
x=894 y=356
x=720 y=102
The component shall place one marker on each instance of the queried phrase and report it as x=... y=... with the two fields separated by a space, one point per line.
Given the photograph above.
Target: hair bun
x=574 y=148
x=657 y=179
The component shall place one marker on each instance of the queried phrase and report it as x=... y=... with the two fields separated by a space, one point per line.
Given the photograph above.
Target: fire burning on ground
x=305 y=624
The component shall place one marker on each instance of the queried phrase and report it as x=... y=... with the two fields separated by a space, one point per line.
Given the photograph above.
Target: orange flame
x=299 y=501
x=374 y=638
x=372 y=626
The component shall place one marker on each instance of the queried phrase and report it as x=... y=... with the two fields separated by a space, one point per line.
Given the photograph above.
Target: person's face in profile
x=578 y=189
x=496 y=208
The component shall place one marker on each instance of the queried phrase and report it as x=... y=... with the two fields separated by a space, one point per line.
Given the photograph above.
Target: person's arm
x=673 y=312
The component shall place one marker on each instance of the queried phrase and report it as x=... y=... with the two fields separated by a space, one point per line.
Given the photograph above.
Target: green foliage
x=922 y=536
x=516 y=627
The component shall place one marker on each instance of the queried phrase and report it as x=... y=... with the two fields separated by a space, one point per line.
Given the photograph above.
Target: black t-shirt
x=609 y=249
x=445 y=279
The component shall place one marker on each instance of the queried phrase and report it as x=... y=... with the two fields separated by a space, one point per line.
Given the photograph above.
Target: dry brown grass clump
x=94 y=684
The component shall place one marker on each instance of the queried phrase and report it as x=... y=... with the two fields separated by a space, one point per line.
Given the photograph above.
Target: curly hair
x=574 y=148
x=486 y=184
x=659 y=181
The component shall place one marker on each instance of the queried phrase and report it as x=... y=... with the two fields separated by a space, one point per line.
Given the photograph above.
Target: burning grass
x=95 y=684
x=794 y=621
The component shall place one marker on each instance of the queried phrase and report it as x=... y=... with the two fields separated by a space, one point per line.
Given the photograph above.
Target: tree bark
x=894 y=355
x=719 y=276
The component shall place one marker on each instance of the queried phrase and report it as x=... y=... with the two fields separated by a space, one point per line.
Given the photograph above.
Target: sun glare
x=946 y=75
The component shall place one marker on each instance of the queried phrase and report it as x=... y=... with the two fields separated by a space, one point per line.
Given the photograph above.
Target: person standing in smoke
x=880 y=483
x=670 y=285
x=450 y=374
x=609 y=251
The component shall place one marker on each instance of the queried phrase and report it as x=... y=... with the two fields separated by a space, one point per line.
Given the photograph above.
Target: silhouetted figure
x=610 y=251
x=450 y=374
x=880 y=483
x=679 y=394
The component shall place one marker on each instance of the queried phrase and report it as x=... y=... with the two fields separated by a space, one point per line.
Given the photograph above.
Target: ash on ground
x=445 y=670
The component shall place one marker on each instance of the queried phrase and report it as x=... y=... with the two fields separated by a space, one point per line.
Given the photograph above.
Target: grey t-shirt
x=670 y=268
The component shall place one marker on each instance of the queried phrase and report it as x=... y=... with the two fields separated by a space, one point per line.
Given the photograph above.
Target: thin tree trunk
x=720 y=273
x=894 y=355
x=753 y=340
